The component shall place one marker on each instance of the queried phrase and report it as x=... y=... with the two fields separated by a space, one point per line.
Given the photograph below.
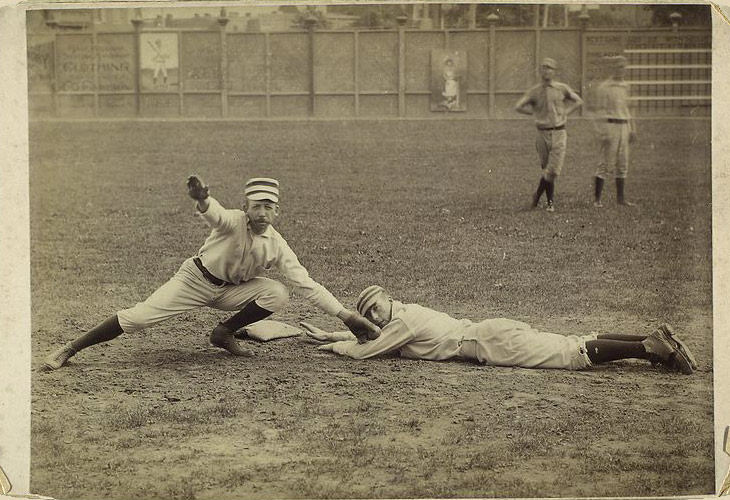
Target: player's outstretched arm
x=524 y=105
x=198 y=190
x=359 y=325
x=323 y=336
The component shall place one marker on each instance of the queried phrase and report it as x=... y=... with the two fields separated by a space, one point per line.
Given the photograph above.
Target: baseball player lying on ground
x=226 y=274
x=421 y=333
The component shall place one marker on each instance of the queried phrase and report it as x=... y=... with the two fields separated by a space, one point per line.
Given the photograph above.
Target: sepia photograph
x=371 y=250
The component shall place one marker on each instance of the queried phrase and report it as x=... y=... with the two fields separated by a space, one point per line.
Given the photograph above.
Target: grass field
x=437 y=213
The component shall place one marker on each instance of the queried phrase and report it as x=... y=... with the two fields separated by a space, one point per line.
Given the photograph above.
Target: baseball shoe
x=662 y=349
x=550 y=207
x=59 y=357
x=598 y=204
x=625 y=203
x=222 y=337
x=679 y=345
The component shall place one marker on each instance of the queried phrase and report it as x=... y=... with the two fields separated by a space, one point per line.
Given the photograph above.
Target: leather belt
x=206 y=273
x=544 y=129
x=617 y=120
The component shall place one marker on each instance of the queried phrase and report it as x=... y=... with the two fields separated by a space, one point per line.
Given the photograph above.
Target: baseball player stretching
x=226 y=274
x=421 y=333
x=616 y=128
x=547 y=102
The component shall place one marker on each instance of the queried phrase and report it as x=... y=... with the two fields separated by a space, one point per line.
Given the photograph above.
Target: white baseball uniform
x=422 y=333
x=237 y=256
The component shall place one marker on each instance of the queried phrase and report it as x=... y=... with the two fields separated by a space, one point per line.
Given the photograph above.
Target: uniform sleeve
x=288 y=265
x=218 y=217
x=572 y=95
x=526 y=99
x=395 y=335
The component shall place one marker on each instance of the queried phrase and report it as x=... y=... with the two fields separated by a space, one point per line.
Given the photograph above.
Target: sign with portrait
x=448 y=80
x=159 y=61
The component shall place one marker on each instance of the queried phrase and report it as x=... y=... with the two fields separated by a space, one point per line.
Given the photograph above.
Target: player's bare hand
x=197 y=188
x=314 y=332
x=327 y=347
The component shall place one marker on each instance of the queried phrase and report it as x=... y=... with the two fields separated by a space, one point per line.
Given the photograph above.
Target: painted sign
x=448 y=80
x=159 y=61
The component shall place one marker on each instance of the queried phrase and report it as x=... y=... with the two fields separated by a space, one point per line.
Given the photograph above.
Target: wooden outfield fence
x=348 y=74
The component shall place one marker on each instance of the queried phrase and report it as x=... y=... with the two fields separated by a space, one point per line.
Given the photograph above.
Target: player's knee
x=131 y=321
x=274 y=298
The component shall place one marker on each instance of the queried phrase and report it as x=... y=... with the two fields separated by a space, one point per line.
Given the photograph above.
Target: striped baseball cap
x=549 y=62
x=262 y=188
x=367 y=298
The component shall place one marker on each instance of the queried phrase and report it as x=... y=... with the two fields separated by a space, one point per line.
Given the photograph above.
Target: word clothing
x=421 y=333
x=228 y=274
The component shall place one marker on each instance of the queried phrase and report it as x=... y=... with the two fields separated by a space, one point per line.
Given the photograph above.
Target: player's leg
x=666 y=332
x=254 y=300
x=559 y=140
x=661 y=346
x=622 y=166
x=543 y=153
x=181 y=293
x=601 y=173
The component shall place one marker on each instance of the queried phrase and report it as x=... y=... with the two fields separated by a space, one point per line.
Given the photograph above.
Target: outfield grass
x=437 y=213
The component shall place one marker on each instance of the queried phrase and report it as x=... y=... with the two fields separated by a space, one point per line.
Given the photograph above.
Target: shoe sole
x=681 y=346
x=52 y=365
x=680 y=362
x=678 y=359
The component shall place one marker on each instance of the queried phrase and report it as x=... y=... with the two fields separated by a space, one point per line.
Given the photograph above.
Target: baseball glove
x=197 y=189
x=363 y=329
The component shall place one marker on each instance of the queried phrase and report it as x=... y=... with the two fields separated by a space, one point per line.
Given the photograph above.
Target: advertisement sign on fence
x=448 y=80
x=159 y=61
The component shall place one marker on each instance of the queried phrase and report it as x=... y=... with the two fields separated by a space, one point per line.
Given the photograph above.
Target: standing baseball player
x=226 y=274
x=616 y=128
x=550 y=102
x=421 y=333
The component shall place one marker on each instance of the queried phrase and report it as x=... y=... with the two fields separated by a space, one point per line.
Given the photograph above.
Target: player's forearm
x=572 y=107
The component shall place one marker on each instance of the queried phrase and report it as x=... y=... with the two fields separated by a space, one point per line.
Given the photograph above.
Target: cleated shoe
x=550 y=207
x=679 y=345
x=222 y=337
x=59 y=357
x=663 y=350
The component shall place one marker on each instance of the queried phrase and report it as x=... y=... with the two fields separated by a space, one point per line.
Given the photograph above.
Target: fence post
x=583 y=19
x=401 y=65
x=137 y=23
x=492 y=19
x=51 y=23
x=222 y=23
x=311 y=22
